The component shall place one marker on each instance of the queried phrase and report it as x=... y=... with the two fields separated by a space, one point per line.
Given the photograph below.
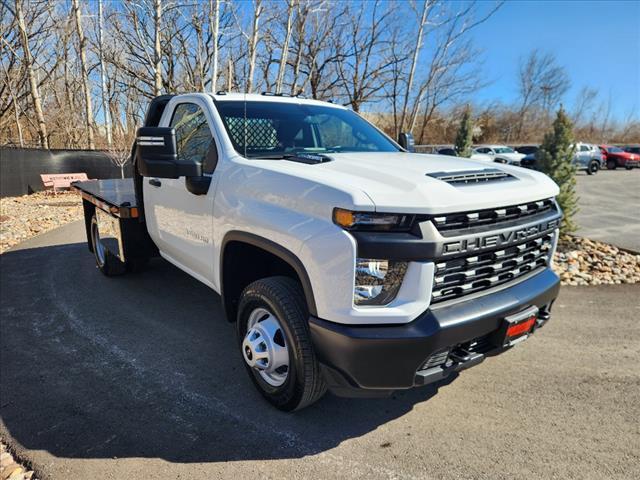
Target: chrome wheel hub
x=264 y=347
x=97 y=245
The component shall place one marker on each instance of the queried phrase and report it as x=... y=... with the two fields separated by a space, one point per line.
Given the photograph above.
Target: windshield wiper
x=280 y=156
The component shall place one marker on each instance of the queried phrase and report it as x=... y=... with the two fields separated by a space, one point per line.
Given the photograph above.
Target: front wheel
x=275 y=343
x=628 y=167
x=593 y=168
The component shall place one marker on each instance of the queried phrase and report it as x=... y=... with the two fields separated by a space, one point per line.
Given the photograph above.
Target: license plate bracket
x=516 y=328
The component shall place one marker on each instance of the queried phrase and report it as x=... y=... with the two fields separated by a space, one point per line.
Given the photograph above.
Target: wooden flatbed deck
x=116 y=196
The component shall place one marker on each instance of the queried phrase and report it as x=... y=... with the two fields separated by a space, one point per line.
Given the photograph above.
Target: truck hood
x=400 y=182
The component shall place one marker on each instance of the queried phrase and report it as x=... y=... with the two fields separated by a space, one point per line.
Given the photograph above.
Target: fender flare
x=275 y=249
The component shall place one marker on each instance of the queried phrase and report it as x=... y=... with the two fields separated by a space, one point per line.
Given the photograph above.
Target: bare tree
x=363 y=65
x=31 y=74
x=584 y=104
x=157 y=50
x=214 y=7
x=285 y=47
x=82 y=41
x=103 y=79
x=416 y=54
x=541 y=83
x=253 y=38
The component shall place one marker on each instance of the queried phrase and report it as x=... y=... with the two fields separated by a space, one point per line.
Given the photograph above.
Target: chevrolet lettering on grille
x=498 y=239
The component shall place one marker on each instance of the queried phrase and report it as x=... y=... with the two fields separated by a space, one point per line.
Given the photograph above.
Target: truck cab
x=345 y=261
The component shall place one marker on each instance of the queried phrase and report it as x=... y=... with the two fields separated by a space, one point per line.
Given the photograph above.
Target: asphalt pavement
x=610 y=207
x=139 y=377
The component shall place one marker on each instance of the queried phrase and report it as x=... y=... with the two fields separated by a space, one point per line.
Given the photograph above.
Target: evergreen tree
x=464 y=137
x=555 y=159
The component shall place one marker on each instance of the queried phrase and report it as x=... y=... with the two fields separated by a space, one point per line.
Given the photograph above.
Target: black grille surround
x=476 y=272
x=491 y=218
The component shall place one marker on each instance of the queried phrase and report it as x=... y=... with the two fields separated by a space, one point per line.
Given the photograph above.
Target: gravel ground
x=11 y=469
x=30 y=215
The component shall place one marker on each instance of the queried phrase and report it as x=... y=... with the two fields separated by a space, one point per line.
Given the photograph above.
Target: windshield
x=503 y=150
x=275 y=130
x=615 y=150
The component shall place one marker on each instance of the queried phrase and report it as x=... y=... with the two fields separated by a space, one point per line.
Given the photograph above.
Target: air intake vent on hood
x=466 y=177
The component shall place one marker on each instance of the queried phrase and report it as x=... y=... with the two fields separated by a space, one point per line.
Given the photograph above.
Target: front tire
x=274 y=338
x=593 y=168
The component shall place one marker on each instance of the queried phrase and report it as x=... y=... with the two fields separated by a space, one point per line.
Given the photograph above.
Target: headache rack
x=473 y=273
x=493 y=217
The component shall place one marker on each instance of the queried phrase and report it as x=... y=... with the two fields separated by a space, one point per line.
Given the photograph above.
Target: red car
x=616 y=157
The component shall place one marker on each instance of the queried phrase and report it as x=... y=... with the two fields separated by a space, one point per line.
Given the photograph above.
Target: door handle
x=155 y=182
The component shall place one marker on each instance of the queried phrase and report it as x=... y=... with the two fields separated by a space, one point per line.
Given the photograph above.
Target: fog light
x=377 y=281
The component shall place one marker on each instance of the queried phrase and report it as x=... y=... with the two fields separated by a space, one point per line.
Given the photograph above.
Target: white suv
x=500 y=153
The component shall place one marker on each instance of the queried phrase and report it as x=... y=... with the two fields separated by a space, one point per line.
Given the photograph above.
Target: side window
x=193 y=136
x=584 y=148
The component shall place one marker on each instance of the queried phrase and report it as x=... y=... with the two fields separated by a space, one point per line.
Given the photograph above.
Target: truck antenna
x=245 y=123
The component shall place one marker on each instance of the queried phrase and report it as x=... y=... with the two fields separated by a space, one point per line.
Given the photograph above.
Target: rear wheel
x=612 y=164
x=275 y=343
x=593 y=167
x=107 y=263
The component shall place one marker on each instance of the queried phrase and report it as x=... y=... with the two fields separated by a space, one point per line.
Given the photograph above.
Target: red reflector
x=520 y=328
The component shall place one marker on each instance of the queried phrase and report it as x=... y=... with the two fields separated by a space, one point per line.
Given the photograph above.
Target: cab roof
x=268 y=97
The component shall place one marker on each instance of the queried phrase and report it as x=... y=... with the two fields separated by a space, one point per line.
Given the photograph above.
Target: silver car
x=588 y=157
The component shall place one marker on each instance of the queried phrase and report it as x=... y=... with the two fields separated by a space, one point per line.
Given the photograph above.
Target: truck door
x=179 y=221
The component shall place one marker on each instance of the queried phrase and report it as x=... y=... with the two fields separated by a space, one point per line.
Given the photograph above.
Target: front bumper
x=359 y=360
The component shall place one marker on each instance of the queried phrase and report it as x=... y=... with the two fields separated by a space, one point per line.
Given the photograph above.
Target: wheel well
x=244 y=263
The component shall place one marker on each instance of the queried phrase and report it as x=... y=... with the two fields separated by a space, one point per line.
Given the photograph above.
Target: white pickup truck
x=346 y=261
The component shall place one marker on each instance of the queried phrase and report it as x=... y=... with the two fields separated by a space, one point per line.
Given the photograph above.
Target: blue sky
x=598 y=42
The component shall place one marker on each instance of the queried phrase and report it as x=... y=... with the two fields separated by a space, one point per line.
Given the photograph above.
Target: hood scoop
x=308 y=158
x=470 y=177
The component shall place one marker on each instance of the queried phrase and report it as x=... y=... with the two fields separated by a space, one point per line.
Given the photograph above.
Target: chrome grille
x=472 y=176
x=493 y=216
x=473 y=273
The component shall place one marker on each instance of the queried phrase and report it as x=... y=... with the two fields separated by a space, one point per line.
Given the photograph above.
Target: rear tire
x=612 y=164
x=107 y=263
x=280 y=300
x=593 y=168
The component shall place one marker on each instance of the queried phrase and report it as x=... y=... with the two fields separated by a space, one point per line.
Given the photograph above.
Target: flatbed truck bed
x=116 y=196
x=116 y=233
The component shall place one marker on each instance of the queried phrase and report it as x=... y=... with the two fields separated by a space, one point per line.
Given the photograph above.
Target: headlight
x=372 y=221
x=377 y=281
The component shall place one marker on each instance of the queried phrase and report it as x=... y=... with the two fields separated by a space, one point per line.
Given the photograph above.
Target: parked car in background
x=451 y=151
x=500 y=153
x=635 y=149
x=526 y=149
x=616 y=157
x=529 y=160
x=586 y=157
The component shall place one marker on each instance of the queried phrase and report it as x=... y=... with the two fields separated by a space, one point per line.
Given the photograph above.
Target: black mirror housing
x=405 y=139
x=157 y=155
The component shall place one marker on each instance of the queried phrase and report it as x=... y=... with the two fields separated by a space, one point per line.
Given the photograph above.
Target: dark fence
x=20 y=168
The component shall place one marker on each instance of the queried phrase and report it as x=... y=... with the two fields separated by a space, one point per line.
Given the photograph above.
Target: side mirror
x=405 y=139
x=157 y=155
